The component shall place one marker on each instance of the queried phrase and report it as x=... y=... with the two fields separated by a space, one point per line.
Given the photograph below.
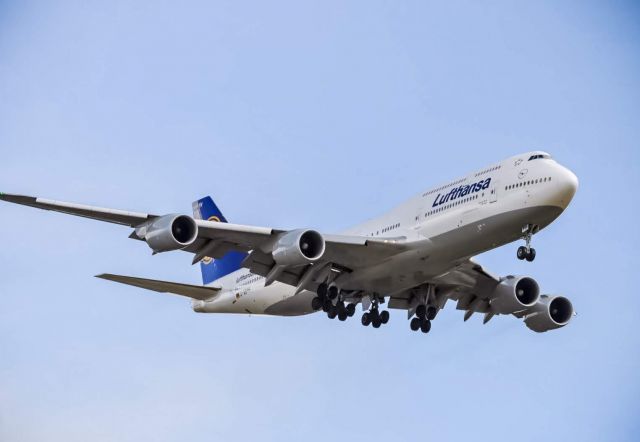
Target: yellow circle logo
x=208 y=260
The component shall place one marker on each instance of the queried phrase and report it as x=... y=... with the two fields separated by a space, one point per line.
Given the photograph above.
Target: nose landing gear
x=527 y=252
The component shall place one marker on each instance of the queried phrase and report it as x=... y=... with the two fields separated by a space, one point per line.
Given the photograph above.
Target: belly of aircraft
x=457 y=244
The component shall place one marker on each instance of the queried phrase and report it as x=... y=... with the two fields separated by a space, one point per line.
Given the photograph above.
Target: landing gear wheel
x=333 y=312
x=332 y=292
x=322 y=290
x=316 y=303
x=531 y=255
x=342 y=315
x=375 y=318
x=421 y=311
x=366 y=319
x=326 y=305
x=351 y=310
x=522 y=252
x=425 y=326
x=431 y=313
x=384 y=316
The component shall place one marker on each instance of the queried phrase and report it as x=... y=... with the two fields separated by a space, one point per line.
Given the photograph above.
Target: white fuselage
x=452 y=222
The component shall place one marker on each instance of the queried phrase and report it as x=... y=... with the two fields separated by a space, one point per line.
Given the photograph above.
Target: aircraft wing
x=470 y=285
x=343 y=253
x=122 y=217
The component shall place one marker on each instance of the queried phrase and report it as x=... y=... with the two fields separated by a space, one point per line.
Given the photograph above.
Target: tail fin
x=212 y=269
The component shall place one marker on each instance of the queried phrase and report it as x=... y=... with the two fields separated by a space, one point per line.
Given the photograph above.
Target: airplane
x=415 y=257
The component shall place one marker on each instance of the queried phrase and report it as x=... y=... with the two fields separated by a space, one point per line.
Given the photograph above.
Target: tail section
x=213 y=269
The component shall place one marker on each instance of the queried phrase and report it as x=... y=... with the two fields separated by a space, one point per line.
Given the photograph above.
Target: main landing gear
x=375 y=317
x=424 y=316
x=527 y=252
x=329 y=301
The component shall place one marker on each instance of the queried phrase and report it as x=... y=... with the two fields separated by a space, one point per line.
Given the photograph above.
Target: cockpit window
x=537 y=156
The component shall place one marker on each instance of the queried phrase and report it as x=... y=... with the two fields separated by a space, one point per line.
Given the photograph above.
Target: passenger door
x=493 y=191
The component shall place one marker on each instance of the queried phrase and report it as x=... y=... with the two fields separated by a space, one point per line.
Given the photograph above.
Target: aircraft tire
x=531 y=255
x=522 y=252
x=351 y=309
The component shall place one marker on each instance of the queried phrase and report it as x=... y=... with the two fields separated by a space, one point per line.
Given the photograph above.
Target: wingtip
x=18 y=199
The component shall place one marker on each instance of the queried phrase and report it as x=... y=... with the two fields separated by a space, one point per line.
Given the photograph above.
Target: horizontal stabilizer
x=190 y=291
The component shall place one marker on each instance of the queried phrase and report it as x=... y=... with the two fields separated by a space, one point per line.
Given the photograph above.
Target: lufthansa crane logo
x=207 y=259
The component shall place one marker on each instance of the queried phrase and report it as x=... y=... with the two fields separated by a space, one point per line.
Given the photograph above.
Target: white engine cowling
x=169 y=232
x=549 y=313
x=514 y=294
x=298 y=247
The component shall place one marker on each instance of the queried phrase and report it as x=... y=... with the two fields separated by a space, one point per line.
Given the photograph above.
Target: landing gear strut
x=527 y=252
x=331 y=302
x=428 y=312
x=425 y=310
x=374 y=316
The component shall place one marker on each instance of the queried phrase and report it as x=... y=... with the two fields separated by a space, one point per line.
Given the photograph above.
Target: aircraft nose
x=572 y=182
x=568 y=186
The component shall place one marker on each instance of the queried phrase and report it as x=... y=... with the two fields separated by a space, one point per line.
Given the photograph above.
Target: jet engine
x=298 y=247
x=514 y=294
x=169 y=232
x=549 y=313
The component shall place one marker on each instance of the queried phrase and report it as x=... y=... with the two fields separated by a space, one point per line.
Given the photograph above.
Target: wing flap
x=190 y=291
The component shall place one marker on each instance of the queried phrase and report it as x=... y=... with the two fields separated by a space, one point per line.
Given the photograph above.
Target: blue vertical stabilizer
x=213 y=269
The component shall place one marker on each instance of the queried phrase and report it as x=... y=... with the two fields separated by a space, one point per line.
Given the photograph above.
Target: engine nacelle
x=549 y=313
x=514 y=294
x=298 y=247
x=169 y=232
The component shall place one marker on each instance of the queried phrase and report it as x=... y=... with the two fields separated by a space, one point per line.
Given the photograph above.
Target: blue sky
x=309 y=114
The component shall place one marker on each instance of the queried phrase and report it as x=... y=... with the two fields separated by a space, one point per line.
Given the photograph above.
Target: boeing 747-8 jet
x=415 y=257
